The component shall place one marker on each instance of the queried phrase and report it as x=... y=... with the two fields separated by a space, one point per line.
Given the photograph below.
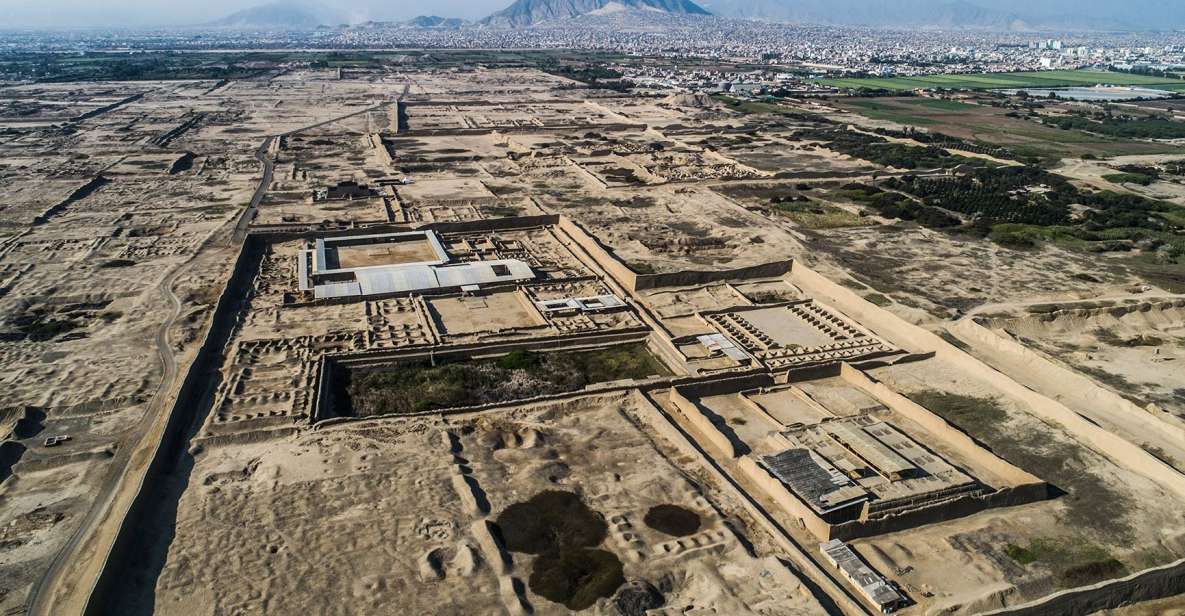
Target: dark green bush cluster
x=564 y=533
x=1123 y=127
x=880 y=151
x=419 y=386
x=896 y=205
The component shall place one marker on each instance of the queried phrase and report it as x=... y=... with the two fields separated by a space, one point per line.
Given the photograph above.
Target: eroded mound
x=672 y=520
x=697 y=99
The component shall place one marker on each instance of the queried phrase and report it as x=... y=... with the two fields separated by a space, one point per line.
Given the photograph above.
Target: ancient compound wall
x=1151 y=419
x=1146 y=585
x=190 y=403
x=1018 y=486
x=884 y=323
x=636 y=282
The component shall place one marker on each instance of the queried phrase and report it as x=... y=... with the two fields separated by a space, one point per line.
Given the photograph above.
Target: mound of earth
x=694 y=99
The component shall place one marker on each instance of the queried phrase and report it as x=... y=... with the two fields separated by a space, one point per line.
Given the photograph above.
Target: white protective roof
x=411 y=278
x=337 y=289
x=718 y=342
x=395 y=279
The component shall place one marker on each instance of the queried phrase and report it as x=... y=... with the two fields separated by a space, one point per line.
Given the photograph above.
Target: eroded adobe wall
x=1146 y=585
x=183 y=418
x=1152 y=418
x=599 y=253
x=909 y=336
x=691 y=277
x=941 y=512
x=949 y=435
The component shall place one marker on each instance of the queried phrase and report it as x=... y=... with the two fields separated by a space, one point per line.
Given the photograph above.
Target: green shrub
x=1015 y=237
x=519 y=359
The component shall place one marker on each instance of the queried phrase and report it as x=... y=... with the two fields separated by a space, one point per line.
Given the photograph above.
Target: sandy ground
x=899 y=262
x=392 y=517
x=965 y=566
x=1136 y=348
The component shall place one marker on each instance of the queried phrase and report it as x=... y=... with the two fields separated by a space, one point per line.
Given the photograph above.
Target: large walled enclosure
x=392 y=313
x=845 y=460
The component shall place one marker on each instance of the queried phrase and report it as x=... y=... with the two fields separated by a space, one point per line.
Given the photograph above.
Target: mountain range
x=524 y=13
x=995 y=15
x=1000 y=15
x=434 y=21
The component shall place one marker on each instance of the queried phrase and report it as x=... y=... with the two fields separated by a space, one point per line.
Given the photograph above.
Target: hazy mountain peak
x=281 y=15
x=525 y=13
x=434 y=21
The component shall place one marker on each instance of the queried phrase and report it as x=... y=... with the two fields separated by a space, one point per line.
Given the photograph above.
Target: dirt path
x=53 y=592
x=67 y=583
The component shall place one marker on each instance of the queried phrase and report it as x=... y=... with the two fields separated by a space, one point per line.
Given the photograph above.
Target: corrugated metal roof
x=396 y=279
x=483 y=272
x=319 y=261
x=871 y=583
x=599 y=302
x=337 y=289
x=882 y=457
x=718 y=342
x=814 y=479
x=401 y=278
x=583 y=304
x=409 y=278
x=327 y=244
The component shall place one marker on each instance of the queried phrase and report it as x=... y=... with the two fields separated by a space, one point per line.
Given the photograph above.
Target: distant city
x=776 y=54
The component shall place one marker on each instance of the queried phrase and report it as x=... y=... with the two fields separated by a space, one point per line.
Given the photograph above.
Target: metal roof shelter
x=718 y=342
x=870 y=583
x=302 y=271
x=337 y=289
x=323 y=263
x=582 y=304
x=888 y=463
x=813 y=479
x=318 y=269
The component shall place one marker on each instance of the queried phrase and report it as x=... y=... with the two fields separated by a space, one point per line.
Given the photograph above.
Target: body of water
x=1095 y=93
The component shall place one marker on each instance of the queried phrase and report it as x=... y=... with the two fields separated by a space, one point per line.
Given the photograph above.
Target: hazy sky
x=1157 y=14
x=74 y=13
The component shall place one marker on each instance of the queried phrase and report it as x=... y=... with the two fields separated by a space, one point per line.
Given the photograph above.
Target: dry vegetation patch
x=420 y=386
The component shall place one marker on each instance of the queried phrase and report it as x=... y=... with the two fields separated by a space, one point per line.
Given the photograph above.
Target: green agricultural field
x=992 y=126
x=908 y=111
x=983 y=81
